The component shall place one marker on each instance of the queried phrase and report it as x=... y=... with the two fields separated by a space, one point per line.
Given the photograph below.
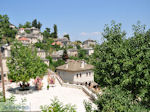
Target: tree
x=82 y=54
x=39 y=25
x=54 y=34
x=46 y=33
x=7 y=34
x=124 y=62
x=27 y=25
x=34 y=23
x=24 y=64
x=108 y=57
x=65 y=55
x=67 y=36
x=117 y=100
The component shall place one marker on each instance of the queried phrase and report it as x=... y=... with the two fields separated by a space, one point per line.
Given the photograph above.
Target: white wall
x=86 y=76
x=71 y=77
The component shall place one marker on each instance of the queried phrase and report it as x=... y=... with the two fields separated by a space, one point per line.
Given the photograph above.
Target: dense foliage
x=7 y=34
x=65 y=55
x=67 y=36
x=55 y=33
x=33 y=24
x=24 y=63
x=57 y=106
x=124 y=62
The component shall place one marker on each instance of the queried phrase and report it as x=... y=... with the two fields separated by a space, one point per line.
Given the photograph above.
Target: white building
x=89 y=50
x=72 y=52
x=89 y=43
x=77 y=72
x=42 y=54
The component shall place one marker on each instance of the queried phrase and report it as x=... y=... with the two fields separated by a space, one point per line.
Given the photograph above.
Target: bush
x=118 y=100
x=57 y=106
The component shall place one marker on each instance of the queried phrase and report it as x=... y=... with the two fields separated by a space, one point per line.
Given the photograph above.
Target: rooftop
x=23 y=39
x=74 y=66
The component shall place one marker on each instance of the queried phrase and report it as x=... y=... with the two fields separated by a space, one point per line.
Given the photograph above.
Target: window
x=77 y=75
x=89 y=73
x=80 y=74
x=86 y=73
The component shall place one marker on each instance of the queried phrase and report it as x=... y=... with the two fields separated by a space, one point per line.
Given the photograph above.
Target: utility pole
x=2 y=76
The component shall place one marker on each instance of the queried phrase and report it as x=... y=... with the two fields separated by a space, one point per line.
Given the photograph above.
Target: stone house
x=64 y=41
x=72 y=52
x=76 y=72
x=56 y=55
x=89 y=43
x=42 y=54
x=89 y=50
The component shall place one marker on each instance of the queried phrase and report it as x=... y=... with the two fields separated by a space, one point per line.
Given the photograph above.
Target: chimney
x=82 y=64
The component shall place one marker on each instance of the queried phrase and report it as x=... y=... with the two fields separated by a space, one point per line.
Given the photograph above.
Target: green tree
x=7 y=34
x=24 y=64
x=124 y=62
x=65 y=55
x=55 y=33
x=67 y=36
x=117 y=100
x=108 y=57
x=46 y=33
x=34 y=23
x=82 y=54
x=39 y=25
x=27 y=25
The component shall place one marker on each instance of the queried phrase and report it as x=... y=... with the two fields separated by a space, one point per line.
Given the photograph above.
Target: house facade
x=64 y=41
x=72 y=52
x=89 y=43
x=76 y=72
x=42 y=54
x=89 y=50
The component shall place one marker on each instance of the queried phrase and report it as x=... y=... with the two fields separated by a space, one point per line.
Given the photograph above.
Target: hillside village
x=40 y=71
x=31 y=36
x=66 y=59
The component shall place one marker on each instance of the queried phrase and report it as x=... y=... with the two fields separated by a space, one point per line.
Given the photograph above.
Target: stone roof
x=89 y=40
x=75 y=66
x=62 y=39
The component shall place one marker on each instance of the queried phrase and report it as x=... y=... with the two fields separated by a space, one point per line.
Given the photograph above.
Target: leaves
x=24 y=63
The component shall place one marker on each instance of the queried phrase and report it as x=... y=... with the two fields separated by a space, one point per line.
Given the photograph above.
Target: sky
x=81 y=19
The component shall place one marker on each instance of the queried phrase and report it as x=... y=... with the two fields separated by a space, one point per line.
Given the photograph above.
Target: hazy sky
x=82 y=19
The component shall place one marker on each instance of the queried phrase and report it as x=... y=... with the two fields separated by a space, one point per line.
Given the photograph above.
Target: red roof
x=56 y=43
x=23 y=39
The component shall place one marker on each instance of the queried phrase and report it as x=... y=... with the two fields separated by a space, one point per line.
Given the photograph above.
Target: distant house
x=89 y=43
x=42 y=54
x=72 y=52
x=64 y=41
x=32 y=34
x=12 y=26
x=56 y=55
x=57 y=43
x=24 y=40
x=77 y=72
x=89 y=50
